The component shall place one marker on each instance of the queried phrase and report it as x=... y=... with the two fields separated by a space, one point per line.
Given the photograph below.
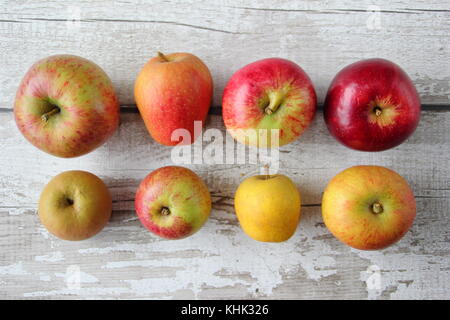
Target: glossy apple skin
x=89 y=109
x=352 y=98
x=179 y=190
x=172 y=95
x=252 y=88
x=75 y=205
x=347 y=207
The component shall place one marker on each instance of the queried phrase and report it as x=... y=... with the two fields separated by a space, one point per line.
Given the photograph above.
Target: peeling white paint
x=44 y=277
x=82 y=292
x=15 y=269
x=264 y=263
x=83 y=276
x=52 y=257
x=130 y=219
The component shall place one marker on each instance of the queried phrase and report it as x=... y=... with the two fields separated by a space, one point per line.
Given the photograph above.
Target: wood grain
x=320 y=36
x=220 y=261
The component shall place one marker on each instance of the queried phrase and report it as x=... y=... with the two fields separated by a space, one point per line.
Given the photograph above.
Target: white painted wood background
x=220 y=261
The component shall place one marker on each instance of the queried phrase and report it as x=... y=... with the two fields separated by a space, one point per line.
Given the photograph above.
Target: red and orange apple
x=172 y=92
x=268 y=94
x=173 y=202
x=372 y=105
x=368 y=207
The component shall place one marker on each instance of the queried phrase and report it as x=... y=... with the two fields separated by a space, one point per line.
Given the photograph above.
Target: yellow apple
x=268 y=207
x=368 y=207
x=75 y=205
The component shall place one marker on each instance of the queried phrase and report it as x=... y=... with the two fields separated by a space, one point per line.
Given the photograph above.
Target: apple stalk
x=275 y=100
x=47 y=115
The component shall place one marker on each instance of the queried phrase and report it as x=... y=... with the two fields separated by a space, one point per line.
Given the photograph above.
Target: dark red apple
x=372 y=105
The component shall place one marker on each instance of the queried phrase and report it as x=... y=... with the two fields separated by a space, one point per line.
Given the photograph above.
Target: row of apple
x=67 y=106
x=366 y=207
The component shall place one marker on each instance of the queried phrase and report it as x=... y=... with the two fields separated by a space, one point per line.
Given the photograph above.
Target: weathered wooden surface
x=220 y=261
x=321 y=36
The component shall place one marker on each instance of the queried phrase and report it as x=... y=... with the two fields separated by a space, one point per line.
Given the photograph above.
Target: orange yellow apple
x=368 y=207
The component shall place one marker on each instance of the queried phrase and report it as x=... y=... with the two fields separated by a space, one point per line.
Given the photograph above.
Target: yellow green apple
x=75 y=205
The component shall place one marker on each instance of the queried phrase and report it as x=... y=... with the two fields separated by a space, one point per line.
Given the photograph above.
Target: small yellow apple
x=268 y=207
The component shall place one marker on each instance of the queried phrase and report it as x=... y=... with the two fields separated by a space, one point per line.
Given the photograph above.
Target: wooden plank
x=321 y=37
x=220 y=261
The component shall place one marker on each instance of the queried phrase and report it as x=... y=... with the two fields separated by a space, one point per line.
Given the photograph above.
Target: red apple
x=66 y=106
x=173 y=202
x=172 y=91
x=368 y=207
x=268 y=94
x=372 y=105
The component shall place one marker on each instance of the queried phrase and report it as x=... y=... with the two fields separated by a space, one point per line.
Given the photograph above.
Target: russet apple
x=368 y=207
x=173 y=202
x=268 y=94
x=75 y=205
x=66 y=106
x=268 y=207
x=172 y=92
x=372 y=105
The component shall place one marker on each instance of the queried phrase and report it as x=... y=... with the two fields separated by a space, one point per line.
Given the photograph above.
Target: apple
x=66 y=106
x=268 y=207
x=268 y=94
x=172 y=92
x=368 y=207
x=75 y=205
x=372 y=105
x=173 y=202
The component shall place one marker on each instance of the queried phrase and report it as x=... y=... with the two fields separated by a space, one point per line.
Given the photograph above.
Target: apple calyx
x=275 y=100
x=377 y=208
x=46 y=116
x=377 y=111
x=162 y=57
x=165 y=211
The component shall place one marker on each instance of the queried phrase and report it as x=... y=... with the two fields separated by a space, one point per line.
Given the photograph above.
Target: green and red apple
x=172 y=92
x=173 y=202
x=66 y=106
x=368 y=207
x=75 y=205
x=269 y=94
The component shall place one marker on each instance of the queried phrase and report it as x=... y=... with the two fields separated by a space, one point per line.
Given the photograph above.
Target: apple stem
x=275 y=99
x=165 y=211
x=47 y=115
x=162 y=57
x=377 y=208
x=266 y=171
